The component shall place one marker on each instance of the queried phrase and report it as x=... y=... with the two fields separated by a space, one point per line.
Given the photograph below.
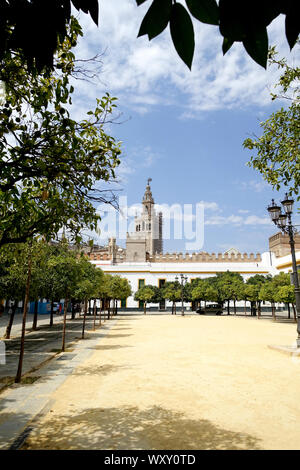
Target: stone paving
x=40 y=345
x=21 y=404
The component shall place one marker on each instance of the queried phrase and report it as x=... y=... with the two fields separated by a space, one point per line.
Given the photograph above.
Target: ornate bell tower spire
x=147 y=238
x=148 y=200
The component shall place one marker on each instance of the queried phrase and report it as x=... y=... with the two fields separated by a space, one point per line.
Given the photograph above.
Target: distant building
x=144 y=262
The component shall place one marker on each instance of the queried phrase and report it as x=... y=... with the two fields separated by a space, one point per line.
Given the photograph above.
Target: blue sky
x=182 y=128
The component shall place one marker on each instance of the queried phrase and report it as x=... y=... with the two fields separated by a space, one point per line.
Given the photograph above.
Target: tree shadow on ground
x=112 y=346
x=11 y=424
x=129 y=428
x=117 y=336
x=102 y=370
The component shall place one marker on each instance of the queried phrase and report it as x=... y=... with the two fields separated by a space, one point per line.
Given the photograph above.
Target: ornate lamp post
x=183 y=280
x=282 y=217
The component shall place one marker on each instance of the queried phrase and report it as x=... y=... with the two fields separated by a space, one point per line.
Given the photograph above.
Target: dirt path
x=193 y=382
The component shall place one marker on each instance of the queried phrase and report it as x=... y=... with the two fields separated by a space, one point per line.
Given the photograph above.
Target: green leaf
x=182 y=32
x=292 y=24
x=156 y=18
x=206 y=11
x=257 y=46
x=227 y=43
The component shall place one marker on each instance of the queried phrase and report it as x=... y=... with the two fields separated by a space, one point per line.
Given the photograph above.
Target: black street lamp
x=183 y=280
x=283 y=220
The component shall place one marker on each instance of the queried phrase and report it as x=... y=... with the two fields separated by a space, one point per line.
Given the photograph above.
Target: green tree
x=144 y=294
x=228 y=285
x=258 y=280
x=171 y=291
x=277 y=150
x=120 y=289
x=286 y=294
x=49 y=162
x=68 y=274
x=13 y=274
x=87 y=286
x=268 y=292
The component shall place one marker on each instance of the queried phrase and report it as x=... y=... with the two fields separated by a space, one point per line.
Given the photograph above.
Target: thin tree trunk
x=104 y=308
x=228 y=308
x=173 y=304
x=84 y=317
x=11 y=320
x=64 y=325
x=95 y=312
x=145 y=308
x=35 y=314
x=273 y=312
x=51 y=312
x=234 y=306
x=100 y=311
x=73 y=310
x=245 y=307
x=19 y=372
x=258 y=309
x=289 y=311
x=108 y=310
x=116 y=307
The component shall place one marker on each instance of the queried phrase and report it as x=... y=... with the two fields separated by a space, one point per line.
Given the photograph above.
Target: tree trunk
x=234 y=306
x=100 y=311
x=273 y=311
x=84 y=317
x=228 y=308
x=11 y=320
x=35 y=315
x=104 y=308
x=73 y=310
x=145 y=303
x=289 y=311
x=108 y=311
x=64 y=325
x=258 y=309
x=51 y=312
x=175 y=308
x=19 y=372
x=95 y=313
x=245 y=307
x=116 y=307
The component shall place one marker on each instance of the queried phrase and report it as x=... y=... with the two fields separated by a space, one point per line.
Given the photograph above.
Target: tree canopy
x=49 y=162
x=278 y=148
x=36 y=28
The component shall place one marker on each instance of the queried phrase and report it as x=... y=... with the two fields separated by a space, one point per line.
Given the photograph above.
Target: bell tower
x=146 y=240
x=148 y=201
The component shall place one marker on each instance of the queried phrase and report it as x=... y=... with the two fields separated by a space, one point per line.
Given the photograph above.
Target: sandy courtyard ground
x=172 y=382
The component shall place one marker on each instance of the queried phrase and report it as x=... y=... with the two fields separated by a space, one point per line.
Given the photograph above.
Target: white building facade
x=143 y=262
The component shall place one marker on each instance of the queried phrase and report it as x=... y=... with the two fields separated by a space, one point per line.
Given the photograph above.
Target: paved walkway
x=165 y=382
x=40 y=345
x=21 y=405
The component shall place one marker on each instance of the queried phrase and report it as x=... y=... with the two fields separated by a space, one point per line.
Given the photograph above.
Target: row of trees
x=224 y=288
x=38 y=270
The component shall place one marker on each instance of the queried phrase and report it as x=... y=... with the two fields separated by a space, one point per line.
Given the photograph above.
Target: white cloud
x=243 y=211
x=237 y=220
x=144 y=74
x=252 y=185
